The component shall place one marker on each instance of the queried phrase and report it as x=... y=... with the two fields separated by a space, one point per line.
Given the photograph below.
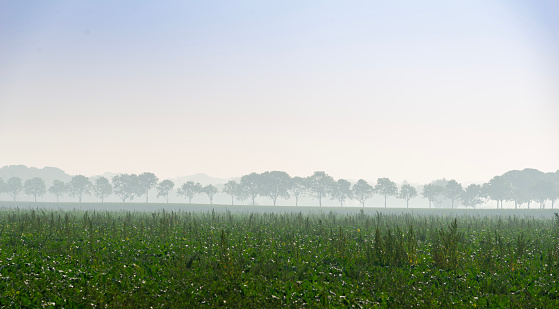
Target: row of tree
x=522 y=187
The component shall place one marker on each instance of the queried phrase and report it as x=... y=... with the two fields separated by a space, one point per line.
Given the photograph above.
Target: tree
x=386 y=188
x=362 y=191
x=497 y=189
x=102 y=188
x=452 y=190
x=471 y=196
x=210 y=190
x=520 y=183
x=320 y=184
x=543 y=190
x=275 y=184
x=251 y=185
x=189 y=190
x=58 y=188
x=298 y=187
x=35 y=186
x=555 y=193
x=241 y=194
x=147 y=181
x=407 y=192
x=2 y=186
x=341 y=190
x=14 y=186
x=431 y=192
x=125 y=186
x=164 y=187
x=231 y=188
x=78 y=186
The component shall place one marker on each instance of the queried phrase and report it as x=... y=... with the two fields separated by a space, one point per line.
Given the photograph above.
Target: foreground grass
x=184 y=260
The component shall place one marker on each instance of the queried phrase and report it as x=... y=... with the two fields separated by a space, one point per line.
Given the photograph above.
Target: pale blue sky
x=412 y=90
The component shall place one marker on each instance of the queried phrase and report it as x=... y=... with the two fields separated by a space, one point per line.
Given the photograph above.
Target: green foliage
x=262 y=260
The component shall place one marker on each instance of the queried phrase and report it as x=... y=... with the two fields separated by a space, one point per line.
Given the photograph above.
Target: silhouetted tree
x=125 y=186
x=58 y=189
x=542 y=191
x=251 y=185
x=452 y=190
x=297 y=187
x=231 y=188
x=275 y=184
x=341 y=190
x=13 y=187
x=102 y=188
x=407 y=192
x=520 y=184
x=78 y=186
x=497 y=189
x=362 y=191
x=164 y=187
x=189 y=190
x=210 y=191
x=147 y=181
x=472 y=196
x=35 y=186
x=555 y=192
x=320 y=185
x=241 y=194
x=386 y=188
x=431 y=191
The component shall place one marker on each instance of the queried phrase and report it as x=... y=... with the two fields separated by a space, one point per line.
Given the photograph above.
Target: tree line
x=521 y=187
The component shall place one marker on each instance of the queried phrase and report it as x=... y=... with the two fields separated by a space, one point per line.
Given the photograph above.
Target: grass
x=83 y=259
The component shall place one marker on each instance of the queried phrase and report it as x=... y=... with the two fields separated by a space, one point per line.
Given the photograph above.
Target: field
x=186 y=259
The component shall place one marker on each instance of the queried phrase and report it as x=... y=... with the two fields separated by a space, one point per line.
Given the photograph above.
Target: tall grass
x=185 y=259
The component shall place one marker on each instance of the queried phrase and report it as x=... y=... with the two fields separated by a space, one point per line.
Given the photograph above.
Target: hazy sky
x=413 y=90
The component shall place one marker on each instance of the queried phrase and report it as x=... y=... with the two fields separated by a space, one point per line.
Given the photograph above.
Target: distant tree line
x=521 y=187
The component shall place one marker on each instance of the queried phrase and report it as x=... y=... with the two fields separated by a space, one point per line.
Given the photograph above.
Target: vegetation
x=162 y=259
x=522 y=187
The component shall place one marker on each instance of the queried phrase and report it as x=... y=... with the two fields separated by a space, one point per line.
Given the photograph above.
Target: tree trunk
x=253 y=201
x=452 y=204
x=407 y=203
x=275 y=201
x=35 y=198
x=385 y=201
x=296 y=201
x=320 y=201
x=429 y=203
x=231 y=200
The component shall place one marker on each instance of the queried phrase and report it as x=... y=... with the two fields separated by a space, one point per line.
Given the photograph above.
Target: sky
x=410 y=90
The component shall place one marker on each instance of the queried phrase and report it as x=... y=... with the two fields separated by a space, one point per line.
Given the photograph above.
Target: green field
x=169 y=259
